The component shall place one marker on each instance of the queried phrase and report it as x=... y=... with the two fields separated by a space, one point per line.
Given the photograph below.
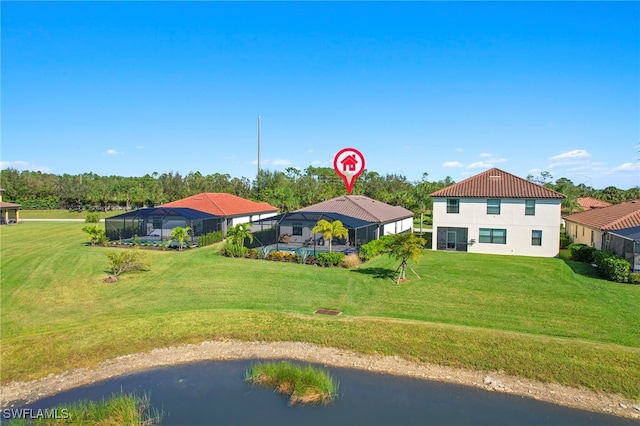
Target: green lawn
x=532 y=317
x=62 y=214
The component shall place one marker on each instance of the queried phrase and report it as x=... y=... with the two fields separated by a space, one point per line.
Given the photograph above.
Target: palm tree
x=239 y=233
x=330 y=230
x=180 y=234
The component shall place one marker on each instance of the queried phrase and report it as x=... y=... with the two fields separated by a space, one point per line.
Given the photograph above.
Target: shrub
x=351 y=261
x=374 y=248
x=565 y=240
x=210 y=238
x=233 y=250
x=329 y=259
x=311 y=260
x=127 y=260
x=612 y=267
x=582 y=253
x=95 y=235
x=634 y=278
x=92 y=218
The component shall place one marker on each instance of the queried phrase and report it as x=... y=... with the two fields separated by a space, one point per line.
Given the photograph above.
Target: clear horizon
x=450 y=89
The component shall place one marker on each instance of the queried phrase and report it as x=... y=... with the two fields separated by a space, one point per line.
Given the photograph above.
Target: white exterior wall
x=581 y=234
x=473 y=216
x=252 y=218
x=398 y=226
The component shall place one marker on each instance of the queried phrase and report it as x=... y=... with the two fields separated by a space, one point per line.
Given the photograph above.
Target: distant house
x=589 y=203
x=499 y=213
x=366 y=219
x=229 y=209
x=590 y=227
x=9 y=212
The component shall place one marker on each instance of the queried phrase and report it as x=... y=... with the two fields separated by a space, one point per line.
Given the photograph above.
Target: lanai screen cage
x=156 y=223
x=294 y=230
x=625 y=243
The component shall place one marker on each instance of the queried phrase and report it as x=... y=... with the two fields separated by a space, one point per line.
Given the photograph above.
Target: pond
x=214 y=392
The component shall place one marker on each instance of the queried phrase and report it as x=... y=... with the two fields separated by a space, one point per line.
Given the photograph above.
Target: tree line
x=287 y=190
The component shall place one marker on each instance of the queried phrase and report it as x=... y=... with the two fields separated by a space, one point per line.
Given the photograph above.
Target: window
x=529 y=207
x=297 y=228
x=536 y=238
x=493 y=236
x=493 y=206
x=453 y=205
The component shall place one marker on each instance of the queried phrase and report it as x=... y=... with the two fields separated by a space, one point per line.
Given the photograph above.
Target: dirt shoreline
x=18 y=393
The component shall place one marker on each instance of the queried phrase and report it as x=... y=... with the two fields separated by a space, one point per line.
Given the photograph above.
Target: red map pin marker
x=349 y=164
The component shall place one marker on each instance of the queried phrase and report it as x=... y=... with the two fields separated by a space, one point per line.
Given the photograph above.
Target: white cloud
x=485 y=155
x=317 y=163
x=452 y=164
x=571 y=155
x=112 y=152
x=281 y=162
x=23 y=165
x=479 y=165
x=459 y=150
x=627 y=167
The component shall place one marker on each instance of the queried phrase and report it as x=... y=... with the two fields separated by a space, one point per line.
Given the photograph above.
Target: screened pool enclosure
x=154 y=224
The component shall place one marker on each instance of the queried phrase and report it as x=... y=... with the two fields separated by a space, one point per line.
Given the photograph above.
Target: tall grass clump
x=351 y=261
x=119 y=409
x=304 y=385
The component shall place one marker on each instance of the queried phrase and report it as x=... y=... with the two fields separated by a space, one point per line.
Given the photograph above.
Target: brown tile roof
x=4 y=205
x=496 y=183
x=361 y=207
x=588 y=203
x=222 y=204
x=616 y=216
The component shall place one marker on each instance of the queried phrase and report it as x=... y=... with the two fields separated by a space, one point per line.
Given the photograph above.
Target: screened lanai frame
x=626 y=244
x=267 y=232
x=156 y=223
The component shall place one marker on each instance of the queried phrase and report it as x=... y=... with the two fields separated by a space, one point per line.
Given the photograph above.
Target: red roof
x=616 y=216
x=496 y=183
x=588 y=203
x=222 y=204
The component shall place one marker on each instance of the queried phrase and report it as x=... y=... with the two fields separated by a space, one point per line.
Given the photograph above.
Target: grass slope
x=532 y=317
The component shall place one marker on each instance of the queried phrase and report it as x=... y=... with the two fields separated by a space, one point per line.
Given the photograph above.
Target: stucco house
x=499 y=213
x=230 y=209
x=604 y=228
x=366 y=219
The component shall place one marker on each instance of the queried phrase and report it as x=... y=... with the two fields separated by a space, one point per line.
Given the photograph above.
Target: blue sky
x=451 y=89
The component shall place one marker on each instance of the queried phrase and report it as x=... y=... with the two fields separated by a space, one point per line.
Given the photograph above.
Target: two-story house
x=499 y=213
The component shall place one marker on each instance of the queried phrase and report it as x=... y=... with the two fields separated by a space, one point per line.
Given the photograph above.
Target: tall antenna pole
x=258 y=175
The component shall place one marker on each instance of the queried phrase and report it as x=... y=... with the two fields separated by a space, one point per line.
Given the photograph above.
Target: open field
x=530 y=317
x=63 y=214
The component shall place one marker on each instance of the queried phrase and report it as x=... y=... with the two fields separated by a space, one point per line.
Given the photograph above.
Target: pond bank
x=18 y=393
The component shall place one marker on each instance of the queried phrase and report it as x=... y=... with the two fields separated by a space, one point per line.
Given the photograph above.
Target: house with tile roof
x=499 y=213
x=229 y=209
x=366 y=219
x=592 y=227
x=588 y=203
x=9 y=212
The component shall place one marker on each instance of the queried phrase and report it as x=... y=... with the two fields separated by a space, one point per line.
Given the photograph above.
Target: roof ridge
x=207 y=194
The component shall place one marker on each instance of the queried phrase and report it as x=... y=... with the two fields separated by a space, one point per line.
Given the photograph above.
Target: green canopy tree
x=95 y=235
x=180 y=234
x=330 y=230
x=405 y=247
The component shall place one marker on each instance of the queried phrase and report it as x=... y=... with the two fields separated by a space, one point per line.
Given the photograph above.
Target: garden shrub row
x=210 y=238
x=611 y=266
x=374 y=248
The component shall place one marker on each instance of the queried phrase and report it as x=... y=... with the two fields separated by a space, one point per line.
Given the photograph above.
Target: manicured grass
x=63 y=214
x=119 y=409
x=532 y=317
x=304 y=385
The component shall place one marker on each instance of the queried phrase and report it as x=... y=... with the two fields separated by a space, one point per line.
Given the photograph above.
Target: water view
x=215 y=392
